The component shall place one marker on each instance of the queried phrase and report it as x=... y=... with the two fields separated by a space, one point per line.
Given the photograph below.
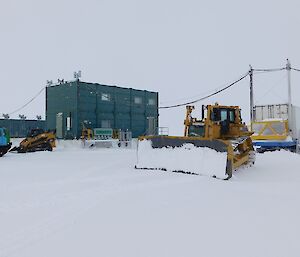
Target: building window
x=105 y=124
x=105 y=97
x=151 y=101
x=138 y=100
x=68 y=123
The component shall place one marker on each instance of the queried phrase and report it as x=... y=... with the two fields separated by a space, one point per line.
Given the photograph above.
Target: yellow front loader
x=215 y=145
x=37 y=140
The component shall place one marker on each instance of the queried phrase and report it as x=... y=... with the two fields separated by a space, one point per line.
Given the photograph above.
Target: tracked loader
x=215 y=145
x=37 y=140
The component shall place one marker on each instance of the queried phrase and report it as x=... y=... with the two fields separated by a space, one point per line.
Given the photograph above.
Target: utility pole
x=251 y=96
x=290 y=116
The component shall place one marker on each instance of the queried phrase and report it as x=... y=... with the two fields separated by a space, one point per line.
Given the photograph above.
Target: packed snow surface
x=188 y=158
x=77 y=202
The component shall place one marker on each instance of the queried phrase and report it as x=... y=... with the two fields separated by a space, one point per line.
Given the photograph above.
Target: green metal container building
x=69 y=105
x=20 y=128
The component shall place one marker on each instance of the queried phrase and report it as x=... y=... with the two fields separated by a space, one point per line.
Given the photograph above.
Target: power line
x=191 y=96
x=208 y=96
x=272 y=70
x=186 y=98
x=269 y=70
x=31 y=100
x=257 y=71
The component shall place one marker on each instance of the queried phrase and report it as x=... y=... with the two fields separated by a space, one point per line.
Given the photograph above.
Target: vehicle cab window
x=232 y=116
x=223 y=114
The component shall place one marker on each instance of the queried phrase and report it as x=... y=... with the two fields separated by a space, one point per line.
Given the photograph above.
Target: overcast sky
x=182 y=49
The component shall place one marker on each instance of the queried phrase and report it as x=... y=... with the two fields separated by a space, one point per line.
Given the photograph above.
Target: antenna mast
x=290 y=116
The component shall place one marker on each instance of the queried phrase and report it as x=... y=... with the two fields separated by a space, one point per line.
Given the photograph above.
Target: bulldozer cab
x=216 y=122
x=224 y=116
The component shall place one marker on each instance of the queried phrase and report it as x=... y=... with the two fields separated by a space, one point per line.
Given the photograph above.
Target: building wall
x=101 y=106
x=62 y=99
x=20 y=128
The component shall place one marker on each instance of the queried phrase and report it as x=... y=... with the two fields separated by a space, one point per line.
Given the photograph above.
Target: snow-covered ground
x=80 y=202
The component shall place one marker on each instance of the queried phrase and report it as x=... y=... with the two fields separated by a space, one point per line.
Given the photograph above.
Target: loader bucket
x=189 y=155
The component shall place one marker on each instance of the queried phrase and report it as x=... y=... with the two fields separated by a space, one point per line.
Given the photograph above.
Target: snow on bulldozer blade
x=185 y=158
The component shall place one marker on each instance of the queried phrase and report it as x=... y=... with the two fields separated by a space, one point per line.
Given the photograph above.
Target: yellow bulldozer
x=37 y=140
x=215 y=145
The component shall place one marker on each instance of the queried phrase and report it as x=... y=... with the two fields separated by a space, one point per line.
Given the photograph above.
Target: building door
x=152 y=129
x=59 y=125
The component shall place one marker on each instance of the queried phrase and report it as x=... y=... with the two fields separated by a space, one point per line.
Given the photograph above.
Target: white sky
x=182 y=49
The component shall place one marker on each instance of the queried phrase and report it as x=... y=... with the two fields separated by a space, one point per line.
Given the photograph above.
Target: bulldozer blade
x=186 y=155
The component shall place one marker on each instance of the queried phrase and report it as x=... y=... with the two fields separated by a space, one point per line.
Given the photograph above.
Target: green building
x=20 y=128
x=69 y=105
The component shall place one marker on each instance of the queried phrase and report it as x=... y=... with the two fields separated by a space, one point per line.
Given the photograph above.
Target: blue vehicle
x=5 y=143
x=269 y=145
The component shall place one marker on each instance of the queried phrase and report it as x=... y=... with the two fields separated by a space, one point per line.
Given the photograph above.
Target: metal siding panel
x=138 y=125
x=122 y=100
x=137 y=108
x=20 y=128
x=62 y=99
x=123 y=121
x=87 y=99
x=105 y=107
